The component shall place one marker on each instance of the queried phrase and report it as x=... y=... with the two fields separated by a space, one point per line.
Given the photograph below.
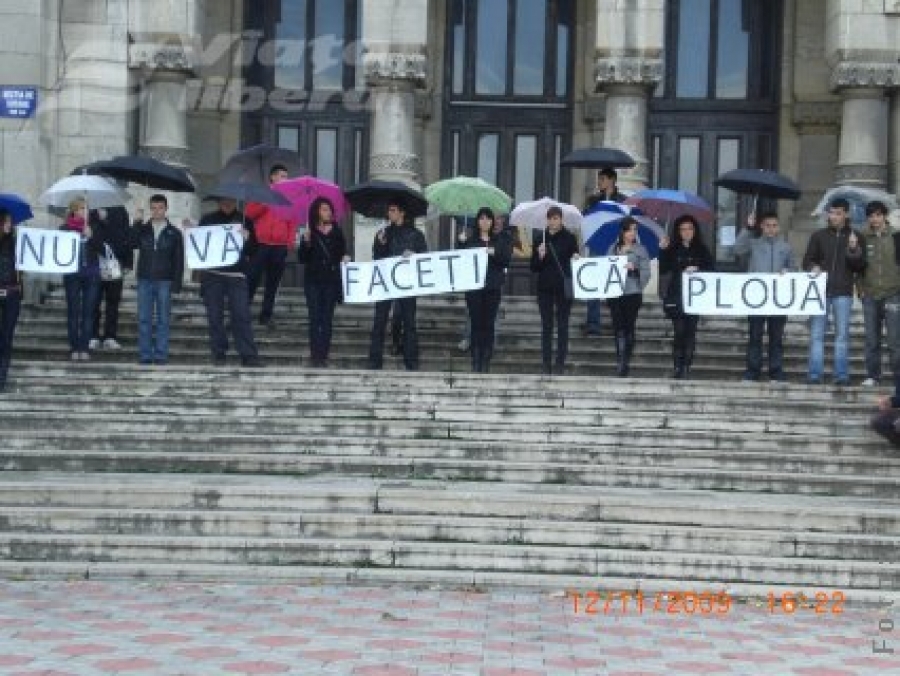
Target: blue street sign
x=17 y=101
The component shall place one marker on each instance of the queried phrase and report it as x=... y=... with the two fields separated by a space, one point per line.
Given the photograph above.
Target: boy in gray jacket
x=768 y=253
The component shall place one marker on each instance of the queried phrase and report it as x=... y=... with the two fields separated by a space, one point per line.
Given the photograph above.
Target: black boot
x=621 y=354
x=688 y=354
x=4 y=371
x=476 y=358
x=678 y=359
x=629 y=349
x=486 y=360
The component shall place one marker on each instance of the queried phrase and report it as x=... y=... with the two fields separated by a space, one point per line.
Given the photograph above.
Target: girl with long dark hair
x=624 y=309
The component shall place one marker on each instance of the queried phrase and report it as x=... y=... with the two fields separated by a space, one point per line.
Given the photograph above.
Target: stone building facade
x=418 y=90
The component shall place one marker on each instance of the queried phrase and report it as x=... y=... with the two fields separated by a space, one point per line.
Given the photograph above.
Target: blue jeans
x=877 y=315
x=154 y=295
x=82 y=293
x=840 y=307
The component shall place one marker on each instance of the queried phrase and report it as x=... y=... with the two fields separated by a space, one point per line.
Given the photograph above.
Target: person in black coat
x=399 y=238
x=322 y=250
x=111 y=226
x=10 y=293
x=484 y=303
x=551 y=259
x=686 y=254
x=228 y=285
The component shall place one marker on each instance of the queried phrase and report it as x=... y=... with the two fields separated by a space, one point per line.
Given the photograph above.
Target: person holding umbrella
x=768 y=253
x=219 y=286
x=607 y=191
x=551 y=259
x=10 y=293
x=83 y=285
x=160 y=269
x=272 y=235
x=484 y=303
x=322 y=249
x=399 y=238
x=624 y=309
x=686 y=254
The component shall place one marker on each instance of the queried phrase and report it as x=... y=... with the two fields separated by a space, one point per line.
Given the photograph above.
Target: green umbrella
x=464 y=196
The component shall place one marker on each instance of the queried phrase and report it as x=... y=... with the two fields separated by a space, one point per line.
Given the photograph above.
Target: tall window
x=501 y=48
x=717 y=107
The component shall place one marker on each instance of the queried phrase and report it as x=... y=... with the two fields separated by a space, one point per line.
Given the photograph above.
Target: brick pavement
x=163 y=629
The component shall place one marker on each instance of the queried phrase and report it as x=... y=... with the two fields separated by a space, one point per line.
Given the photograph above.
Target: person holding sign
x=836 y=250
x=768 y=253
x=83 y=285
x=886 y=421
x=228 y=284
x=160 y=269
x=624 y=309
x=551 y=259
x=322 y=250
x=687 y=254
x=484 y=303
x=10 y=293
x=399 y=238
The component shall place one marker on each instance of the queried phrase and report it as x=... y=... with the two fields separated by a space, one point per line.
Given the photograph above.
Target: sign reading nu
x=50 y=251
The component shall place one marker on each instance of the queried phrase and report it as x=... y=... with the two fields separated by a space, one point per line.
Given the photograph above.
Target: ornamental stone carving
x=865 y=174
x=394 y=163
x=385 y=68
x=811 y=115
x=167 y=154
x=153 y=55
x=865 y=74
x=611 y=70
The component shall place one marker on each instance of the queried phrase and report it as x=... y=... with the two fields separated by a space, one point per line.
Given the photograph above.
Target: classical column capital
x=865 y=74
x=394 y=164
x=396 y=66
x=861 y=174
x=167 y=154
x=627 y=70
x=161 y=52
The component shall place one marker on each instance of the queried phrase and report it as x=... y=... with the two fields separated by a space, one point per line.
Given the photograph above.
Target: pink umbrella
x=302 y=192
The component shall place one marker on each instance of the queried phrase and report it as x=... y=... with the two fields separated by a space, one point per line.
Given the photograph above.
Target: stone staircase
x=442 y=477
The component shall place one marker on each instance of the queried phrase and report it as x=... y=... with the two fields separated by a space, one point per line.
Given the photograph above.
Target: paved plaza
x=86 y=628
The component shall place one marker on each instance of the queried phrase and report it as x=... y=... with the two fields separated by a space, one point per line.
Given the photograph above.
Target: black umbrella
x=759 y=182
x=247 y=192
x=372 y=198
x=143 y=170
x=597 y=158
x=254 y=164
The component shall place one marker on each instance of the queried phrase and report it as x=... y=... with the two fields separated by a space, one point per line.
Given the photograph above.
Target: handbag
x=568 y=289
x=110 y=268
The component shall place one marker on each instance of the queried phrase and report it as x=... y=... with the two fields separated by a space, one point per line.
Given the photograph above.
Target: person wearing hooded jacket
x=111 y=225
x=10 y=293
x=322 y=250
x=769 y=253
x=838 y=251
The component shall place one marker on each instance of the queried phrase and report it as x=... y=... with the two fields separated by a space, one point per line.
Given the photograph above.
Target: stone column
x=626 y=127
x=863 y=155
x=894 y=149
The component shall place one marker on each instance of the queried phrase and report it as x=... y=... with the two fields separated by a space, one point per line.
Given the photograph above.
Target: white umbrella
x=533 y=215
x=858 y=197
x=96 y=191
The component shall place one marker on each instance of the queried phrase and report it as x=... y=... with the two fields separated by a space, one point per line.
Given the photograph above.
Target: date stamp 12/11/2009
x=699 y=603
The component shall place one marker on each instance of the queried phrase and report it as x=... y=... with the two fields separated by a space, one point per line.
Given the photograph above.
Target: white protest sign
x=600 y=277
x=213 y=246
x=418 y=275
x=51 y=251
x=715 y=293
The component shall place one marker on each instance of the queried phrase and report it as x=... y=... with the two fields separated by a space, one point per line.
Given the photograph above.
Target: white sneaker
x=111 y=344
x=869 y=382
x=463 y=345
x=94 y=344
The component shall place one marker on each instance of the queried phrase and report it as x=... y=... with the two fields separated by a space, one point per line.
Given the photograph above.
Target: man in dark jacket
x=228 y=284
x=887 y=420
x=837 y=251
x=111 y=225
x=160 y=269
x=399 y=238
x=10 y=293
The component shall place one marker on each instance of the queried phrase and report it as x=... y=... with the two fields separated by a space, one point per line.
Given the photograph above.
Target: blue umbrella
x=16 y=206
x=665 y=205
x=604 y=236
x=858 y=197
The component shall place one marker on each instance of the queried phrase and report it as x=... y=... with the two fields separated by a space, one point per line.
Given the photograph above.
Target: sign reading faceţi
x=417 y=275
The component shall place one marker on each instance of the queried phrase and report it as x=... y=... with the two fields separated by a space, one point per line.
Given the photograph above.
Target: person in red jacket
x=272 y=236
